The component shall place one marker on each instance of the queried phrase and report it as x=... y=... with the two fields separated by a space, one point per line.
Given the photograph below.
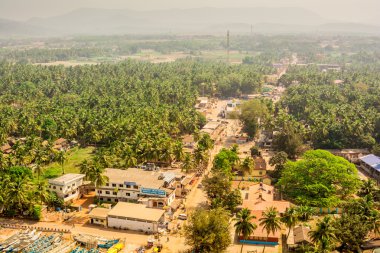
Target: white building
x=154 y=188
x=232 y=109
x=99 y=215
x=135 y=217
x=67 y=186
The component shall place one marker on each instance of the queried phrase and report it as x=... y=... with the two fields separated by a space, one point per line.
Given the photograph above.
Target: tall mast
x=228 y=46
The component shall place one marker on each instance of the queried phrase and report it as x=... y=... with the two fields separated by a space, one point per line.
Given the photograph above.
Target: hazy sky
x=345 y=10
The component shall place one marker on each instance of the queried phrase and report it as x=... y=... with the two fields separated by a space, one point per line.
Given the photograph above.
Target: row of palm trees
x=270 y=221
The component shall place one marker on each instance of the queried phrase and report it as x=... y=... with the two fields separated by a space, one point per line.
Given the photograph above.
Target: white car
x=182 y=216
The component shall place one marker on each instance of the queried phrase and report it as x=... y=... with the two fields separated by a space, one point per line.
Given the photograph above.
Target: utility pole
x=228 y=46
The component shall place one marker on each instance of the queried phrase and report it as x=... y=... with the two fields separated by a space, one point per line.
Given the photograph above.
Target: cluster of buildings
x=59 y=144
x=216 y=130
x=257 y=198
x=140 y=197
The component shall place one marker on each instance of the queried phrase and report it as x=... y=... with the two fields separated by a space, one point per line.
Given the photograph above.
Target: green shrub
x=36 y=212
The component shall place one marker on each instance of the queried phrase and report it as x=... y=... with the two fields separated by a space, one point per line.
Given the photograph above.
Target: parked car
x=182 y=216
x=200 y=186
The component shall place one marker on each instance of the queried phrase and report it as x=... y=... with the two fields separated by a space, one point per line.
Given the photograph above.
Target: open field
x=75 y=157
x=153 y=56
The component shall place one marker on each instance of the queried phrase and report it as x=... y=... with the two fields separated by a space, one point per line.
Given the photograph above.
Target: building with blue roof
x=371 y=164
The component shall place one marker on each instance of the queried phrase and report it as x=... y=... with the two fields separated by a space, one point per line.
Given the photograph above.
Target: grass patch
x=74 y=158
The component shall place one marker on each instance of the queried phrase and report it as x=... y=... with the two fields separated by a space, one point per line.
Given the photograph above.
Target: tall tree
x=290 y=219
x=62 y=158
x=244 y=225
x=254 y=115
x=270 y=222
x=319 y=179
x=323 y=236
x=247 y=166
x=208 y=231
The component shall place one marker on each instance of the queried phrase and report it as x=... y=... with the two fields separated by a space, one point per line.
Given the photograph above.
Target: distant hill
x=200 y=20
x=10 y=27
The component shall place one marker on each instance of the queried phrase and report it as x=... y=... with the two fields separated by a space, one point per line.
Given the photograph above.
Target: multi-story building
x=67 y=186
x=150 y=187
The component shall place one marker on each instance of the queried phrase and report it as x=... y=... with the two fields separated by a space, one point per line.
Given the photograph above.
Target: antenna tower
x=228 y=46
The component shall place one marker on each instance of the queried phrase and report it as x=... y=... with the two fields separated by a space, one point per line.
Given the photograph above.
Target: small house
x=260 y=167
x=99 y=215
x=371 y=164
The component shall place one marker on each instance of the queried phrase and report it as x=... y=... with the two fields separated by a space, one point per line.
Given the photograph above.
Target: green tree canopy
x=207 y=231
x=254 y=114
x=319 y=179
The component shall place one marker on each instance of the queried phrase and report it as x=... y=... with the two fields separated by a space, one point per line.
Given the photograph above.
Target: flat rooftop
x=99 y=212
x=145 y=178
x=372 y=160
x=211 y=125
x=136 y=211
x=66 y=179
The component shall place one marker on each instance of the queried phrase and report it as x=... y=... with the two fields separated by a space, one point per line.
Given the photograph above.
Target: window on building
x=73 y=185
x=116 y=200
x=60 y=188
x=107 y=184
x=66 y=195
x=101 y=199
x=108 y=199
x=128 y=194
x=128 y=186
x=260 y=172
x=113 y=185
x=99 y=191
x=135 y=187
x=107 y=192
x=114 y=193
x=121 y=185
x=54 y=187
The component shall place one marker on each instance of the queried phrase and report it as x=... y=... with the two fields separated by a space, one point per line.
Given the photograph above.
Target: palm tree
x=42 y=191
x=243 y=225
x=130 y=160
x=305 y=212
x=290 y=219
x=85 y=168
x=374 y=221
x=17 y=195
x=38 y=169
x=97 y=177
x=270 y=221
x=369 y=187
x=62 y=158
x=324 y=234
x=201 y=157
x=188 y=163
x=247 y=166
x=178 y=151
x=205 y=142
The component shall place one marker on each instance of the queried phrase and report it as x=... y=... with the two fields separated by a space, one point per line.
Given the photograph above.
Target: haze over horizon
x=356 y=11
